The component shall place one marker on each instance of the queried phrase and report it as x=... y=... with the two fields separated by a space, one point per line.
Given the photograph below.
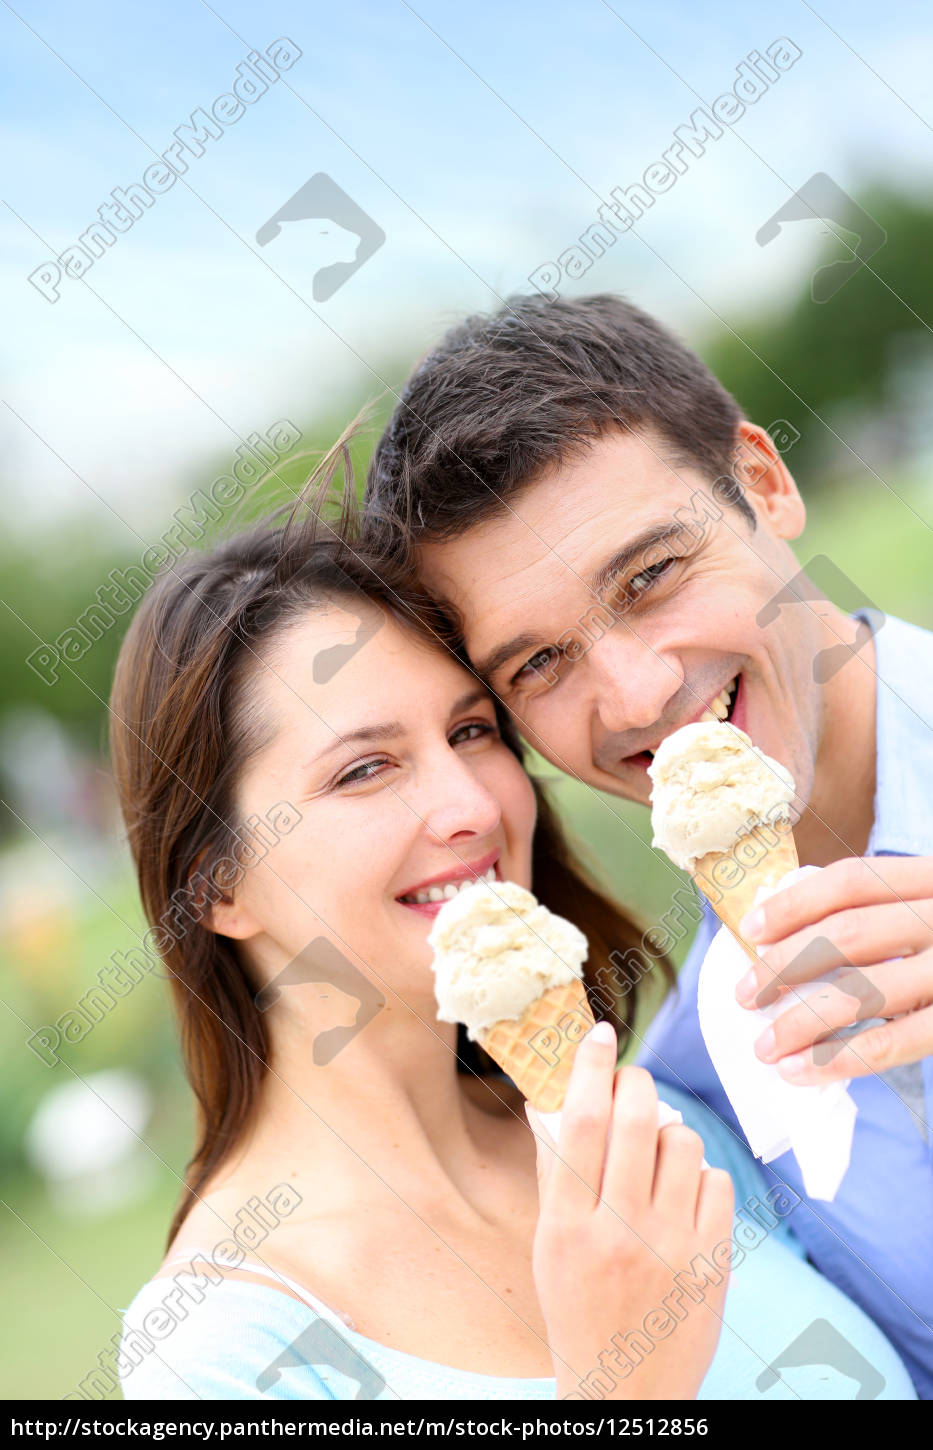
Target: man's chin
x=630 y=781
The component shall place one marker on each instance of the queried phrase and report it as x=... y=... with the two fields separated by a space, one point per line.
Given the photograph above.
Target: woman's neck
x=389 y=1108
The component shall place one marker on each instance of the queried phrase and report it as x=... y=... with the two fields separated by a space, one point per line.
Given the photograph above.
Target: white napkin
x=776 y=1115
x=666 y=1114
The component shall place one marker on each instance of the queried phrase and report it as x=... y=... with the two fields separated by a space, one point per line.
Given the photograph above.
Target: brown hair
x=507 y=395
x=180 y=733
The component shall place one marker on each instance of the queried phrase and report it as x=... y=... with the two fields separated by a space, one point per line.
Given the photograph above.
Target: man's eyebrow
x=632 y=553
x=493 y=662
x=392 y=729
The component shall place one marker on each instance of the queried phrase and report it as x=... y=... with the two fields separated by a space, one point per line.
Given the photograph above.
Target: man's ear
x=768 y=486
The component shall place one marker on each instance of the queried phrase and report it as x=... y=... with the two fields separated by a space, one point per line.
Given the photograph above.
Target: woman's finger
x=715 y=1204
x=677 y=1172
x=574 y=1177
x=633 y=1143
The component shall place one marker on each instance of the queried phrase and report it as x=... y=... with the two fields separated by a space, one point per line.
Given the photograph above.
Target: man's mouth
x=721 y=708
x=429 y=896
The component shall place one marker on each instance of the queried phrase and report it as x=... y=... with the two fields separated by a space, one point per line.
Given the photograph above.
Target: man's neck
x=841 y=809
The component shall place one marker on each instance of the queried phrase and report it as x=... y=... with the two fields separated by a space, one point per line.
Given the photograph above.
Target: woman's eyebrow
x=392 y=729
x=472 y=697
x=387 y=730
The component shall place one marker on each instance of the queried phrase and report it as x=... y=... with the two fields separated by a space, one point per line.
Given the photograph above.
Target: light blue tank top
x=787 y=1333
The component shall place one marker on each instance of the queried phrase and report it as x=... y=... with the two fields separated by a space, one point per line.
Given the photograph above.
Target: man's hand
x=856 y=915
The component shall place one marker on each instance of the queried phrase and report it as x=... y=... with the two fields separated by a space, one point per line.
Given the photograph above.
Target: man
x=613 y=538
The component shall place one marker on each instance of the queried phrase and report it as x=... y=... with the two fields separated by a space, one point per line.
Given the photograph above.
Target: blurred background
x=464 y=151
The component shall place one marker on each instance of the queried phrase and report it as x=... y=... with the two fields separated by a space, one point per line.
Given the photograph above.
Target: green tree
x=799 y=358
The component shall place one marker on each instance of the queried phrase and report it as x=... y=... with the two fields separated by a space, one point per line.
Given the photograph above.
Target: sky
x=469 y=146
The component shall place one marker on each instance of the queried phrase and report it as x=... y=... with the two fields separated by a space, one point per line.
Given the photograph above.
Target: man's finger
x=891 y=1044
x=864 y=937
x=856 y=996
x=875 y=880
x=860 y=937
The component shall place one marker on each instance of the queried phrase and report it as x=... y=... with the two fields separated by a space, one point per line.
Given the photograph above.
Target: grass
x=69 y=1277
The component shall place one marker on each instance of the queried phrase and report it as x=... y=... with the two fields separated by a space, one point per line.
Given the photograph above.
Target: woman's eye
x=474 y=731
x=644 y=579
x=361 y=773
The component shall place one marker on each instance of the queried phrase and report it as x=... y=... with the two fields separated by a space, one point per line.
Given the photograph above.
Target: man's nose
x=634 y=682
x=453 y=802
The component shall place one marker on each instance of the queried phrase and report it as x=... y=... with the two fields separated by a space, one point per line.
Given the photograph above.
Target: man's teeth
x=448 y=892
x=719 y=708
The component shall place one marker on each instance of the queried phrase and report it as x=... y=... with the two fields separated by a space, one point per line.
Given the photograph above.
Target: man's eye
x=643 y=580
x=543 y=662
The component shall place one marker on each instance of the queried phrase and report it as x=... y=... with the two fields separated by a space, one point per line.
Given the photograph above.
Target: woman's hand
x=624 y=1209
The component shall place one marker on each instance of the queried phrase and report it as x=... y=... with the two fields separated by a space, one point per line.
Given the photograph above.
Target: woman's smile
x=429 y=896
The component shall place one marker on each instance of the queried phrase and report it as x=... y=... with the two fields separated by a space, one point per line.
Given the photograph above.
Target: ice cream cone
x=730 y=879
x=537 y=1049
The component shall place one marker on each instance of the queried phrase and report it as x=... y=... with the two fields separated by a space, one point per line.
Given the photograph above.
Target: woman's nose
x=634 y=682
x=455 y=803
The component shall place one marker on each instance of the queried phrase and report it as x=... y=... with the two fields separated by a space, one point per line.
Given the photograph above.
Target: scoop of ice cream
x=496 y=950
x=709 y=784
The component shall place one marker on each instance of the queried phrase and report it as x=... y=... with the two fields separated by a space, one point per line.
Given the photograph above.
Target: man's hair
x=507 y=395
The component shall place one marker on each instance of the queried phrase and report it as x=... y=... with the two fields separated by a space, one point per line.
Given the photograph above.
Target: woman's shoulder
x=195 y=1332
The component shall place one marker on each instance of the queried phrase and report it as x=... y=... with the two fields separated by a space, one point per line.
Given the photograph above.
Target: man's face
x=619 y=529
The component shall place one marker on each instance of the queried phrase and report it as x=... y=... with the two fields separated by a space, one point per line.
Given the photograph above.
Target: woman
x=363 y=1216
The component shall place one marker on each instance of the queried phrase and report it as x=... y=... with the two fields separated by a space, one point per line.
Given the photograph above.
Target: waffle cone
x=731 y=889
x=537 y=1049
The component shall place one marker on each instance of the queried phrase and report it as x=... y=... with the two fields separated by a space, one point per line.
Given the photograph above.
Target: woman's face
x=390 y=752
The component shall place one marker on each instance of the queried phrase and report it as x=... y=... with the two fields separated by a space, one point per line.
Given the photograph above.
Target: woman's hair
x=182 y=726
